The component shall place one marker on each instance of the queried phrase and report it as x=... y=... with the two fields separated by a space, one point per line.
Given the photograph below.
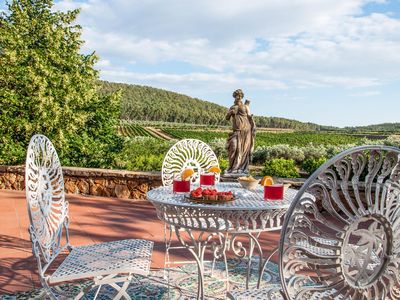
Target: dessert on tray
x=225 y=196
x=210 y=195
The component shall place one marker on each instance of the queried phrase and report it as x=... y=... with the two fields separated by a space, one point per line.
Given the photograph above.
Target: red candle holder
x=207 y=179
x=273 y=192
x=181 y=186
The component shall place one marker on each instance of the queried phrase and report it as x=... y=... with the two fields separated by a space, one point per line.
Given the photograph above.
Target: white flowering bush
x=314 y=151
x=393 y=140
x=218 y=145
x=310 y=157
x=262 y=154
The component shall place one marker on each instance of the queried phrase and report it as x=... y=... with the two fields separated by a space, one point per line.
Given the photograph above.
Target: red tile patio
x=92 y=220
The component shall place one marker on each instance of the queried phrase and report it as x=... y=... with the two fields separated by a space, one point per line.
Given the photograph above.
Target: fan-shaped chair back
x=47 y=207
x=188 y=153
x=341 y=236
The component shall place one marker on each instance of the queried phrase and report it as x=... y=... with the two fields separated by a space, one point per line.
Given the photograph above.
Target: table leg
x=220 y=243
x=266 y=261
x=197 y=248
x=241 y=252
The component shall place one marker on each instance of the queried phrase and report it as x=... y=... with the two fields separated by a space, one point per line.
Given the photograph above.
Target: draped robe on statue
x=240 y=141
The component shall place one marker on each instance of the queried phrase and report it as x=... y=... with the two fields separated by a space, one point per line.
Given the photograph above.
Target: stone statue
x=240 y=142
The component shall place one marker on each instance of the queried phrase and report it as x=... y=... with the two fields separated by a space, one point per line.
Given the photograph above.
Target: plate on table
x=202 y=200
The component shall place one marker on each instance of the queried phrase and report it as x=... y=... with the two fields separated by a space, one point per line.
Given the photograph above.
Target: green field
x=263 y=138
x=269 y=139
x=280 y=153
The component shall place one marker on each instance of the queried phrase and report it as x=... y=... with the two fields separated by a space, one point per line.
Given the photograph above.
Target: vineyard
x=263 y=138
x=280 y=153
x=269 y=139
x=132 y=130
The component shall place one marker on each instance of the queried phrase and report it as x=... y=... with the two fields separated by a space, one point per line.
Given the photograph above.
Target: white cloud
x=301 y=44
x=190 y=80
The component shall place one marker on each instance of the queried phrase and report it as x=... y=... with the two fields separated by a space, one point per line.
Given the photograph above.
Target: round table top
x=244 y=199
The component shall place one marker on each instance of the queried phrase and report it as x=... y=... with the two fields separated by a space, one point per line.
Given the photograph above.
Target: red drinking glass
x=273 y=192
x=181 y=186
x=207 y=179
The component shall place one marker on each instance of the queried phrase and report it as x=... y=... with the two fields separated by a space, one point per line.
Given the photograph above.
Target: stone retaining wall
x=96 y=182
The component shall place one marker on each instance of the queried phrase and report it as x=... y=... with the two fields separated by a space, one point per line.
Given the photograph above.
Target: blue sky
x=331 y=62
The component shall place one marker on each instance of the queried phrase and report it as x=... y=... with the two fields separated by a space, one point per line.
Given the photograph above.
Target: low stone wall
x=96 y=182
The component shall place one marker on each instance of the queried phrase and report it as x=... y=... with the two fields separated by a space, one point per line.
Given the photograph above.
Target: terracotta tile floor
x=92 y=220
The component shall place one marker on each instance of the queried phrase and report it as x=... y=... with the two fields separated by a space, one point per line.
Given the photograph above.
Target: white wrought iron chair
x=341 y=235
x=112 y=263
x=187 y=153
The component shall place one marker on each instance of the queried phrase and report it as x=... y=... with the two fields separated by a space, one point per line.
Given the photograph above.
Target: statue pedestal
x=232 y=177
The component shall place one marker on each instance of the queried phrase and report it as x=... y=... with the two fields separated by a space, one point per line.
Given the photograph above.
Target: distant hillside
x=152 y=104
x=385 y=127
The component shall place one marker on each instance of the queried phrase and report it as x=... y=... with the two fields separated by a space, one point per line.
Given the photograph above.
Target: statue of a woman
x=241 y=141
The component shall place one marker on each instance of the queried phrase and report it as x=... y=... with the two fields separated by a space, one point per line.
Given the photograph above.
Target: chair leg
x=167 y=262
x=84 y=291
x=48 y=292
x=97 y=292
x=167 y=241
x=122 y=291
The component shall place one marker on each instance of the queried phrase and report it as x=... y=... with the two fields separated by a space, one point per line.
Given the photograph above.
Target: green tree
x=47 y=86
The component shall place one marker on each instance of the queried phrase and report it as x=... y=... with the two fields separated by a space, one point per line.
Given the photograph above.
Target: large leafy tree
x=48 y=86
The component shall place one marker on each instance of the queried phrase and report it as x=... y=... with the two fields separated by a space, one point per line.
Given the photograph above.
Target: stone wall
x=96 y=182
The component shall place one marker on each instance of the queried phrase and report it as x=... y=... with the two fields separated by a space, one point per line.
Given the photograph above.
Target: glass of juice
x=207 y=179
x=273 y=192
x=181 y=186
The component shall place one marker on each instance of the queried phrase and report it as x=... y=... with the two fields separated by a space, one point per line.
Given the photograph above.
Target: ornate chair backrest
x=341 y=235
x=47 y=207
x=188 y=153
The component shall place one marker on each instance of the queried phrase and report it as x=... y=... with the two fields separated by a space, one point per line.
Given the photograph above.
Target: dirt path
x=161 y=134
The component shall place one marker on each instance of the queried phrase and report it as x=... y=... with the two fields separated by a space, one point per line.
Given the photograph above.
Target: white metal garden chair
x=341 y=235
x=187 y=153
x=113 y=263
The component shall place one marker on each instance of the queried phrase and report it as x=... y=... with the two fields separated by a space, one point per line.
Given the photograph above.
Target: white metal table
x=220 y=225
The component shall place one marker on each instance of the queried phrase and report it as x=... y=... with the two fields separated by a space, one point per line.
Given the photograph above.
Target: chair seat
x=319 y=250
x=375 y=260
x=123 y=256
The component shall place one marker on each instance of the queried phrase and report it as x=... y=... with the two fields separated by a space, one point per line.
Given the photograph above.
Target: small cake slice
x=225 y=196
x=210 y=195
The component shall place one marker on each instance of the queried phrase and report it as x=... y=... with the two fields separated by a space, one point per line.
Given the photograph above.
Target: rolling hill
x=144 y=103
x=384 y=127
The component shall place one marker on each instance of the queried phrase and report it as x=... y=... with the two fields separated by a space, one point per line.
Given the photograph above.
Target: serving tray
x=208 y=201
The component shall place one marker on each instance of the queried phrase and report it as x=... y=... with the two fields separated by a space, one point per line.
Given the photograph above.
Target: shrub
x=280 y=167
x=332 y=150
x=278 y=151
x=259 y=155
x=223 y=164
x=313 y=151
x=393 y=140
x=218 y=145
x=143 y=154
x=310 y=165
